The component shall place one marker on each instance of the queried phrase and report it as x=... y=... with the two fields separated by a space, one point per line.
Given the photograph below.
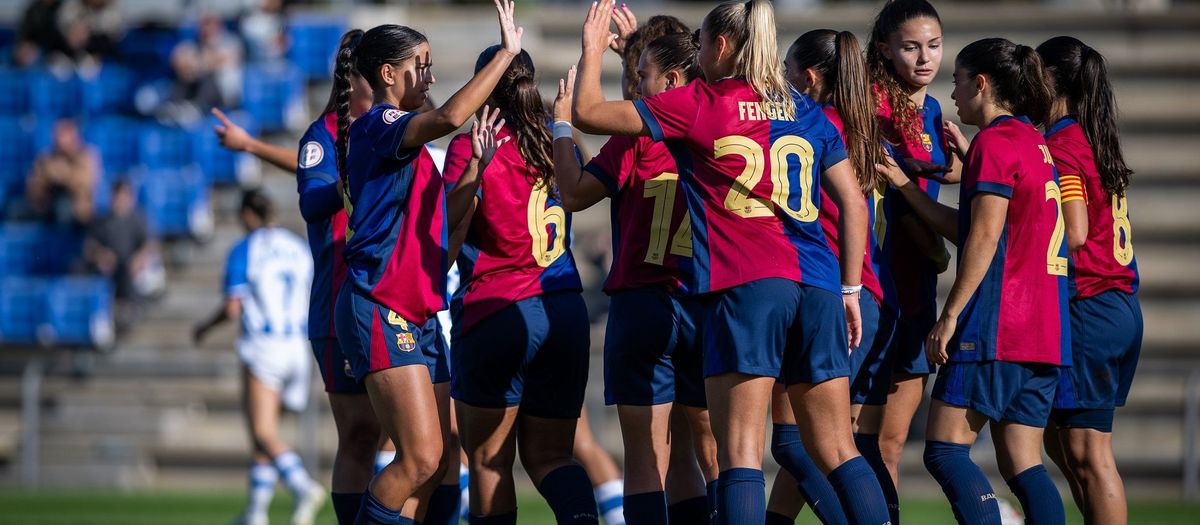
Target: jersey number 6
x=547 y=243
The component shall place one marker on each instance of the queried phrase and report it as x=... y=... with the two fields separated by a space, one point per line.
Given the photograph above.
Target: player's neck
x=917 y=95
x=1058 y=110
x=991 y=113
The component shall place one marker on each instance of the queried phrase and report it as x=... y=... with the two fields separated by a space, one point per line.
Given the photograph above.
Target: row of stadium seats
x=272 y=94
x=62 y=311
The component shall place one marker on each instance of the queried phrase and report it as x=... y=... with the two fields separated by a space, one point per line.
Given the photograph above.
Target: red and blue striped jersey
x=751 y=172
x=830 y=216
x=519 y=241
x=912 y=272
x=321 y=206
x=396 y=233
x=651 y=231
x=1105 y=261
x=1019 y=311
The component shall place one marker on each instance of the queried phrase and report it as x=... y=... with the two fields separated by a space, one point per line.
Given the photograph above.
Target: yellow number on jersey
x=881 y=224
x=1055 y=265
x=662 y=190
x=1046 y=156
x=349 y=209
x=1122 y=232
x=545 y=251
x=739 y=200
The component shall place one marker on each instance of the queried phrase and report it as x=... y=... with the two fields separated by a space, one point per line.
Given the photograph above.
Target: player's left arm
x=231 y=309
x=1074 y=210
x=460 y=200
x=593 y=114
x=842 y=186
x=943 y=219
x=988 y=213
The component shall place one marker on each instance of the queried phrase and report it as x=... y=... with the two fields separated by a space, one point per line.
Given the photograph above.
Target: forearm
x=977 y=258
x=280 y=157
x=592 y=113
x=852 y=240
x=460 y=106
x=943 y=219
x=460 y=199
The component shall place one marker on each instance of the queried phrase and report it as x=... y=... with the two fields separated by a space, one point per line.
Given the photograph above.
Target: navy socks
x=1039 y=497
x=509 y=518
x=859 y=492
x=788 y=451
x=345 y=506
x=868 y=446
x=569 y=493
x=647 y=508
x=443 y=506
x=372 y=512
x=971 y=496
x=693 y=511
x=741 y=497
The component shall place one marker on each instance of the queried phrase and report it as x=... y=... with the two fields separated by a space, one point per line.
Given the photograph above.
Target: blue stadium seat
x=22 y=308
x=147 y=51
x=220 y=166
x=109 y=91
x=165 y=147
x=14 y=92
x=176 y=201
x=34 y=249
x=52 y=96
x=79 y=312
x=118 y=140
x=16 y=153
x=274 y=96
x=314 y=41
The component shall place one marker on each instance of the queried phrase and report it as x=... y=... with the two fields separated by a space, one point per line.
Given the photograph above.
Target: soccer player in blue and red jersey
x=828 y=66
x=1003 y=334
x=521 y=335
x=1106 y=320
x=753 y=239
x=652 y=355
x=397 y=251
x=904 y=54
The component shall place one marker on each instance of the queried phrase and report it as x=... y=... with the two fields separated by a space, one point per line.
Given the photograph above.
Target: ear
x=387 y=74
x=811 y=77
x=982 y=83
x=884 y=49
x=674 y=78
x=722 y=45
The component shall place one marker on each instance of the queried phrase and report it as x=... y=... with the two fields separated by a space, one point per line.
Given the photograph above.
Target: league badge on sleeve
x=390 y=116
x=311 y=154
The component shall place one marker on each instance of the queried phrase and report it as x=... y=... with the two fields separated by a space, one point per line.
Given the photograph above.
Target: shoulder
x=932 y=106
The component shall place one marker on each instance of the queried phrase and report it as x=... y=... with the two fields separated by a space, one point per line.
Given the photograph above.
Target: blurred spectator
x=91 y=29
x=38 y=34
x=120 y=246
x=208 y=73
x=61 y=186
x=264 y=32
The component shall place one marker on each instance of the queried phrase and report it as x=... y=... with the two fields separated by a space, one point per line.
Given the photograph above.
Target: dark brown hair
x=1016 y=74
x=906 y=115
x=517 y=96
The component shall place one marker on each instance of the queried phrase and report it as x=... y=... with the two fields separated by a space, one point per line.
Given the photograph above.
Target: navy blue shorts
x=335 y=369
x=374 y=338
x=870 y=378
x=652 y=349
x=1106 y=341
x=533 y=353
x=777 y=328
x=1018 y=392
x=907 y=353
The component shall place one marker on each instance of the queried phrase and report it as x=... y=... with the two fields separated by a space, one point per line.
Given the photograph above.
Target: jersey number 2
x=739 y=200
x=662 y=190
x=547 y=246
x=1055 y=264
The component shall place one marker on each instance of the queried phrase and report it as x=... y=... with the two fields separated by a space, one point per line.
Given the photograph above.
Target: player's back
x=275 y=270
x=1019 y=312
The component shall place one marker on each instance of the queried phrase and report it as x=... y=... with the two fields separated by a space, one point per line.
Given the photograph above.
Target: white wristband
x=563 y=130
x=850 y=290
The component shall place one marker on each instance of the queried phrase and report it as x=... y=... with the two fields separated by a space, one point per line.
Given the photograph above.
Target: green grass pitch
x=207 y=508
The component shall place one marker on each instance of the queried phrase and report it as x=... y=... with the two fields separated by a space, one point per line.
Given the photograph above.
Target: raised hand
x=232 y=136
x=596 y=34
x=483 y=136
x=510 y=32
x=626 y=25
x=566 y=97
x=895 y=176
x=958 y=142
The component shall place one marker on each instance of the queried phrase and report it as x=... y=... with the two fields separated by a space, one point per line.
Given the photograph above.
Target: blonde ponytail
x=750 y=28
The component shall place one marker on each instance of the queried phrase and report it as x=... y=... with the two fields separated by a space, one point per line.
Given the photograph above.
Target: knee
x=890 y=448
x=423 y=462
x=939 y=455
x=543 y=457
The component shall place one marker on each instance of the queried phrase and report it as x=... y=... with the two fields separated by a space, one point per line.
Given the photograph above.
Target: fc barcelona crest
x=927 y=143
x=406 y=342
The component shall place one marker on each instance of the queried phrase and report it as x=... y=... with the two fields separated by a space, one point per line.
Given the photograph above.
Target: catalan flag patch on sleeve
x=1072 y=188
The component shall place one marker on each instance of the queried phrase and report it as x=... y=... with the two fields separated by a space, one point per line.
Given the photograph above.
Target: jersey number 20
x=783 y=148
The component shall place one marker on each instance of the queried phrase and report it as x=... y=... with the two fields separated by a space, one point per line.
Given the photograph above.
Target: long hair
x=517 y=96
x=385 y=44
x=675 y=52
x=657 y=26
x=750 y=28
x=1080 y=75
x=906 y=115
x=1016 y=73
x=838 y=58
x=339 y=95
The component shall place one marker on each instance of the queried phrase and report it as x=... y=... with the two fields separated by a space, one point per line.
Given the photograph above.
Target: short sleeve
x=834 y=150
x=614 y=165
x=990 y=165
x=385 y=130
x=672 y=113
x=1065 y=159
x=458 y=154
x=236 y=278
x=316 y=163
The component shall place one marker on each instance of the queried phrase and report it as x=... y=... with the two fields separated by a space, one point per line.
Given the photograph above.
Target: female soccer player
x=520 y=325
x=828 y=66
x=753 y=240
x=1003 y=334
x=1106 y=320
x=651 y=349
x=903 y=55
x=396 y=249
